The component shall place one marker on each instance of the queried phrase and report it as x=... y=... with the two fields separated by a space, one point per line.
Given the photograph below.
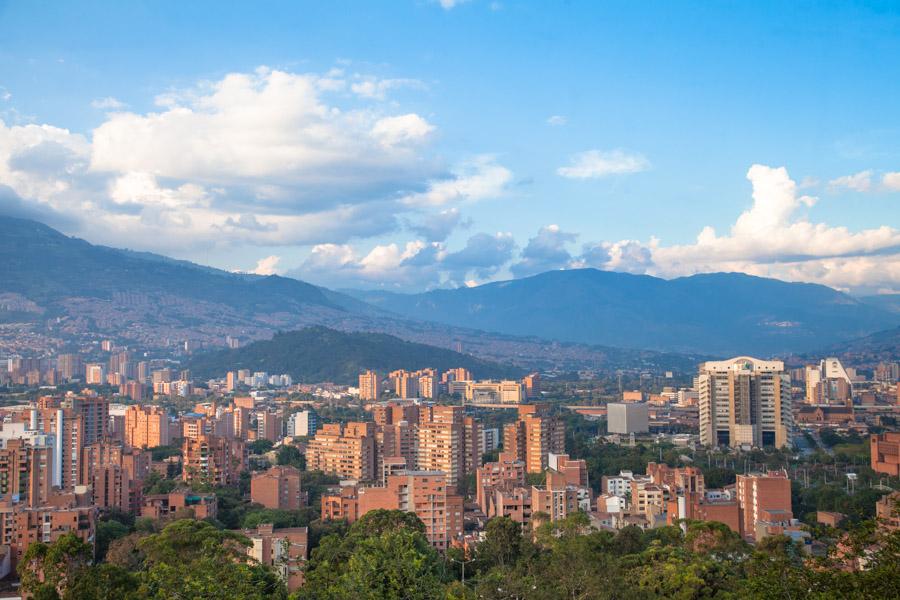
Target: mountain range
x=54 y=287
x=717 y=313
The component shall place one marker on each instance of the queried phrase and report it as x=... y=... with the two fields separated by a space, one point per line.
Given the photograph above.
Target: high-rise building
x=534 y=436
x=745 y=401
x=828 y=383
x=346 y=451
x=369 y=386
x=441 y=443
x=278 y=488
x=146 y=426
x=532 y=385
x=230 y=381
x=269 y=426
x=302 y=424
x=94 y=374
x=69 y=366
x=214 y=460
x=457 y=374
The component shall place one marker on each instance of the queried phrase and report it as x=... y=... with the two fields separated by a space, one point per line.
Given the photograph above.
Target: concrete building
x=214 y=460
x=627 y=417
x=369 y=386
x=534 y=436
x=302 y=424
x=146 y=426
x=284 y=550
x=425 y=493
x=885 y=453
x=759 y=496
x=441 y=443
x=278 y=488
x=346 y=451
x=745 y=401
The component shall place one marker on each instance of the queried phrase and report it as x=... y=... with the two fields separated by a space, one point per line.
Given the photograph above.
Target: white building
x=745 y=402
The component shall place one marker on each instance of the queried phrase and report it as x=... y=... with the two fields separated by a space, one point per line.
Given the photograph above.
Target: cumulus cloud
x=596 y=163
x=267 y=265
x=769 y=239
x=545 y=252
x=261 y=158
x=472 y=180
x=414 y=265
x=860 y=182
x=557 y=120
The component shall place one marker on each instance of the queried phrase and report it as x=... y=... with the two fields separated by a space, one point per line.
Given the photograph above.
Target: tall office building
x=745 y=401
x=369 y=386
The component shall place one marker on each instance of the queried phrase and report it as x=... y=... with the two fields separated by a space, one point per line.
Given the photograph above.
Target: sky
x=416 y=144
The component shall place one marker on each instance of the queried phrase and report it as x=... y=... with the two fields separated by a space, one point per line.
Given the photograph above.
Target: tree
x=502 y=544
x=291 y=456
x=107 y=531
x=47 y=571
x=260 y=446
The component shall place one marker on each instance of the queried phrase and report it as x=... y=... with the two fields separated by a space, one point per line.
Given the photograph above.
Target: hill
x=55 y=288
x=719 y=313
x=888 y=302
x=44 y=265
x=316 y=354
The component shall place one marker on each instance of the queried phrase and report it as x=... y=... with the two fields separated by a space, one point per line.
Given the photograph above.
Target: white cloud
x=596 y=163
x=476 y=179
x=267 y=265
x=860 y=182
x=768 y=240
x=392 y=132
x=557 y=120
x=377 y=89
x=108 y=103
x=891 y=181
x=415 y=265
x=262 y=158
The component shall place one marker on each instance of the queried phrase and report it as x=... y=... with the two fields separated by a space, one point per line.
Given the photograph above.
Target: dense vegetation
x=385 y=556
x=321 y=354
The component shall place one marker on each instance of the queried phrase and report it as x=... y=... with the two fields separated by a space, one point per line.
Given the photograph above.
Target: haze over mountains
x=71 y=287
x=713 y=313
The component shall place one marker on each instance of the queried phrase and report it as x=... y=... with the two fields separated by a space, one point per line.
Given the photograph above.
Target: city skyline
x=451 y=142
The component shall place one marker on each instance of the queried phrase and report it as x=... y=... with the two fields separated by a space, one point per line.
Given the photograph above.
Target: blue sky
x=315 y=139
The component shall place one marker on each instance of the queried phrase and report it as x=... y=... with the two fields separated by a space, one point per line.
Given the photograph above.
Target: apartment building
x=369 y=386
x=213 y=459
x=347 y=451
x=147 y=426
x=763 y=497
x=278 y=488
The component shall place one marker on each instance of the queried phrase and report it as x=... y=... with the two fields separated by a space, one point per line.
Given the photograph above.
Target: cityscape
x=275 y=322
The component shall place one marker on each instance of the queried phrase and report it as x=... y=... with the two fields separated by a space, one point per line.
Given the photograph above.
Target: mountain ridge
x=711 y=312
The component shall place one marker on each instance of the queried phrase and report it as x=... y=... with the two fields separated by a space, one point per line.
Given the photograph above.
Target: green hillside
x=318 y=354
